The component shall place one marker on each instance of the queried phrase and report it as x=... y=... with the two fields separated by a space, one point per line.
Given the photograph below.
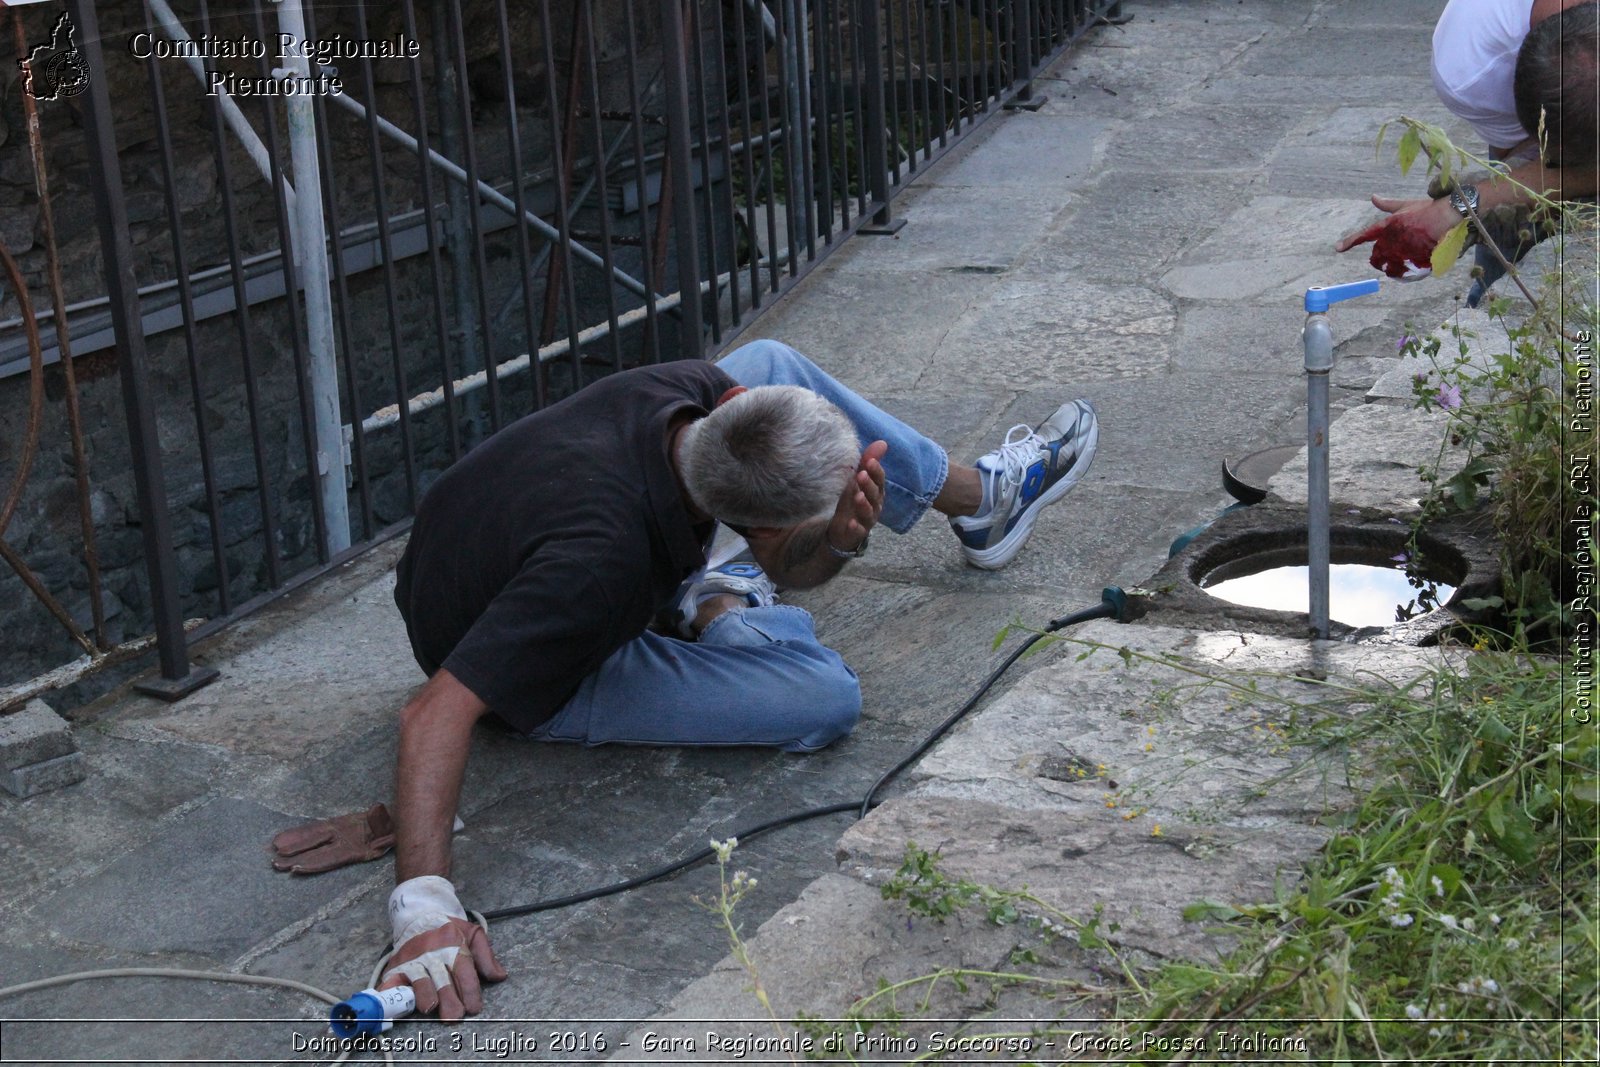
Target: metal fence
x=474 y=208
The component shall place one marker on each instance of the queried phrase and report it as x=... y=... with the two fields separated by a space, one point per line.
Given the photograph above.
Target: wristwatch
x=855 y=553
x=1464 y=198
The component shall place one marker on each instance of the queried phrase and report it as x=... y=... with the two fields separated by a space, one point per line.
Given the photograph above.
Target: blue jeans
x=756 y=676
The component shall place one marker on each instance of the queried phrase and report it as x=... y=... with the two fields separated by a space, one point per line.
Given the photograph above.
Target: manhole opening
x=1365 y=588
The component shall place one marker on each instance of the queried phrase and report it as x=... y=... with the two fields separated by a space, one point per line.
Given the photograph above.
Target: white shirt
x=1475 y=48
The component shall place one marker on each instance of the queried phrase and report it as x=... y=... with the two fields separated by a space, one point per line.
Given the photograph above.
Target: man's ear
x=730 y=394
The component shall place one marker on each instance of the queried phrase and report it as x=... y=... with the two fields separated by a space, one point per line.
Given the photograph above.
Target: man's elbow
x=444 y=702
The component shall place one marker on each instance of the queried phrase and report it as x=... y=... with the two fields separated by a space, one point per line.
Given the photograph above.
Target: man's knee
x=832 y=709
x=764 y=362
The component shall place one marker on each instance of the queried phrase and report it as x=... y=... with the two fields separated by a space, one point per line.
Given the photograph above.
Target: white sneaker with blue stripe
x=737 y=577
x=1032 y=469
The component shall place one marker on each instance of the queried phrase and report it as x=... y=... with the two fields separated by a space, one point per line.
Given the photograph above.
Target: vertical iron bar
x=769 y=152
x=887 y=31
x=992 y=42
x=519 y=198
x=730 y=219
x=457 y=236
x=797 y=132
x=419 y=110
x=180 y=266
x=742 y=60
x=556 y=275
x=942 y=79
x=680 y=160
x=219 y=146
x=475 y=214
x=876 y=129
x=562 y=261
x=601 y=190
x=122 y=289
x=807 y=115
x=864 y=182
x=825 y=93
x=702 y=80
x=386 y=258
x=794 y=208
x=652 y=333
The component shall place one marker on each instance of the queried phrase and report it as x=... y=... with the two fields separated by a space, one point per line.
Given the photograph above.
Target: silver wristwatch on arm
x=1464 y=198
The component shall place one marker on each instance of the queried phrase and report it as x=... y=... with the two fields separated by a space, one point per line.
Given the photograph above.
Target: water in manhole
x=1359 y=594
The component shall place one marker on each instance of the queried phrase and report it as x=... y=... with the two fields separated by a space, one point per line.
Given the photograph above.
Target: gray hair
x=775 y=455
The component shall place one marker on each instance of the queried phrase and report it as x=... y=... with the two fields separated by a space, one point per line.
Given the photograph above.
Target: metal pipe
x=311 y=251
x=769 y=25
x=390 y=415
x=283 y=221
x=1318 y=338
x=13 y=696
x=249 y=140
x=1317 y=335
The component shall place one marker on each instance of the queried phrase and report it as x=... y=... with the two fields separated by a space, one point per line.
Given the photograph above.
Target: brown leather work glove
x=327 y=844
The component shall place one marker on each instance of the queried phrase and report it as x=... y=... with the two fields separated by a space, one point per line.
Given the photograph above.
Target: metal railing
x=506 y=202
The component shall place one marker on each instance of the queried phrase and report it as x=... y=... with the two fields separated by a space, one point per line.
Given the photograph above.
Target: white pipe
x=230 y=111
x=388 y=416
x=311 y=253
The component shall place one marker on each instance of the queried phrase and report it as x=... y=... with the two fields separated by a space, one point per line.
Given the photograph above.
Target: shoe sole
x=998 y=555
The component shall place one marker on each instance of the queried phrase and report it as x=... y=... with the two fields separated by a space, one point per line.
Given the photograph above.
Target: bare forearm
x=435 y=738
x=803 y=560
x=1557 y=183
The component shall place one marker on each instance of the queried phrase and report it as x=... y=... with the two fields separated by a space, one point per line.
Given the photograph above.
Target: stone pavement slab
x=1114 y=789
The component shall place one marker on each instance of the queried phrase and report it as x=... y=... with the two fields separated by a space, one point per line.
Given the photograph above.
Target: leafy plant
x=1521 y=419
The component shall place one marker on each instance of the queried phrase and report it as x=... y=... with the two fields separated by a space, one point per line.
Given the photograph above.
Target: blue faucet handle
x=1320 y=297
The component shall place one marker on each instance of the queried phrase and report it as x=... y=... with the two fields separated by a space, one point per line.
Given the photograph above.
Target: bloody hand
x=1400 y=246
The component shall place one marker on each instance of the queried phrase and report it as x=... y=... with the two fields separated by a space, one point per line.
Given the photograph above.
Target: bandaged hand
x=438 y=951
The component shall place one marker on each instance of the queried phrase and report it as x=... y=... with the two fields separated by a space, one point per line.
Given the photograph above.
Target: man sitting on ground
x=538 y=561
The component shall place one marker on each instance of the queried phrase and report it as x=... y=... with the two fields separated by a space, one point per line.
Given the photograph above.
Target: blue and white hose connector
x=371 y=1011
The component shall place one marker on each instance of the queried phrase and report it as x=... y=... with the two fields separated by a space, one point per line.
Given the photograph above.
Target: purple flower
x=1448 y=396
x=1405 y=339
x=1420 y=377
x=1400 y=557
